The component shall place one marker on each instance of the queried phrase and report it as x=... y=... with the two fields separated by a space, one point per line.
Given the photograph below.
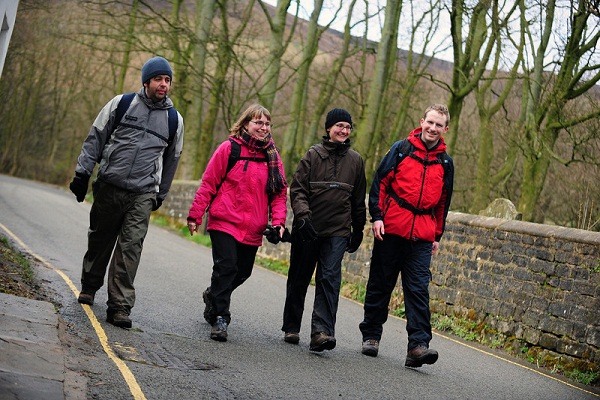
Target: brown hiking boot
x=370 y=347
x=118 y=318
x=86 y=298
x=291 y=337
x=321 y=341
x=420 y=355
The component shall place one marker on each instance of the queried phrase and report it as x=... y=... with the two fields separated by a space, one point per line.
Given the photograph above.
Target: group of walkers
x=137 y=141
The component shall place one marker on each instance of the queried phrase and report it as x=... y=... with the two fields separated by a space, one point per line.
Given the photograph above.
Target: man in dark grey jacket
x=137 y=156
x=328 y=200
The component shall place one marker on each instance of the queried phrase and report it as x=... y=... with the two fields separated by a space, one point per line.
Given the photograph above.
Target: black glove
x=79 y=186
x=286 y=237
x=272 y=234
x=355 y=240
x=305 y=230
x=156 y=203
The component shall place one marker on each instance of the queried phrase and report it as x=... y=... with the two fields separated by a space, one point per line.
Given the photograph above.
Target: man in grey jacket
x=137 y=147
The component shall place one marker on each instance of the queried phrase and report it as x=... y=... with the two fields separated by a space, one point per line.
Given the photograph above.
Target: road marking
x=128 y=376
x=514 y=363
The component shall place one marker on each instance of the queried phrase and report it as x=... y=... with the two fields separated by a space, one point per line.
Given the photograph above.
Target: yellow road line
x=128 y=376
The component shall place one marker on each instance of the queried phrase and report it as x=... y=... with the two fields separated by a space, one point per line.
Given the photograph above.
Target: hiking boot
x=86 y=298
x=207 y=304
x=219 y=330
x=291 y=337
x=118 y=318
x=420 y=355
x=321 y=341
x=370 y=347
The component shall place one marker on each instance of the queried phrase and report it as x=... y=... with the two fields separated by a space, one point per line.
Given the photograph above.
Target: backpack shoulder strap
x=120 y=111
x=404 y=150
x=124 y=104
x=234 y=156
x=173 y=123
x=448 y=165
x=122 y=107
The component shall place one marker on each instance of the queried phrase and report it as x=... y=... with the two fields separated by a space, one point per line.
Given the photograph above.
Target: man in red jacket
x=408 y=203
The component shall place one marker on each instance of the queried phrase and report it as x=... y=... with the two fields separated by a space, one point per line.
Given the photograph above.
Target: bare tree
x=577 y=72
x=471 y=54
x=224 y=56
x=368 y=133
x=205 y=11
x=293 y=135
x=277 y=47
x=329 y=84
x=491 y=93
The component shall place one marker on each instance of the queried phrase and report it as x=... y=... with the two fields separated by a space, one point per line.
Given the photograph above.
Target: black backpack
x=407 y=150
x=124 y=104
x=234 y=157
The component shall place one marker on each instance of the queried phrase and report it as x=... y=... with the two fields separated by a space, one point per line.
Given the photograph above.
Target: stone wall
x=536 y=283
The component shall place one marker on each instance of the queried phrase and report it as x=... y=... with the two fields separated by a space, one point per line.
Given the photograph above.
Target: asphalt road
x=168 y=354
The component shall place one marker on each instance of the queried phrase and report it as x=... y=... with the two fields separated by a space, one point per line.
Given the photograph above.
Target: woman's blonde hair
x=252 y=112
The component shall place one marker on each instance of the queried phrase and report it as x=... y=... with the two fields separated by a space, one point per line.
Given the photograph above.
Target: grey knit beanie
x=156 y=66
x=337 y=115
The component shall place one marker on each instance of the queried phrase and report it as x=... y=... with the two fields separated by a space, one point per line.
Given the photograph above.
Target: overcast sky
x=375 y=23
x=440 y=44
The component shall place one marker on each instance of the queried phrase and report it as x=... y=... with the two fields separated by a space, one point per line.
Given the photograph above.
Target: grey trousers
x=118 y=221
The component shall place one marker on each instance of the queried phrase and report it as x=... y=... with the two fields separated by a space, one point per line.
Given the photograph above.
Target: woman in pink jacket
x=241 y=198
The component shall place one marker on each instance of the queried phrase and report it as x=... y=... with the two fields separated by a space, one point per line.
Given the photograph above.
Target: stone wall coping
x=527 y=228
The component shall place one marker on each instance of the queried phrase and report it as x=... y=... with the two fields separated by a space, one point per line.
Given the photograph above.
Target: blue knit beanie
x=156 y=66
x=337 y=115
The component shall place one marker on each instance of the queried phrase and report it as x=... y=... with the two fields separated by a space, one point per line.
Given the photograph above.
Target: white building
x=8 y=14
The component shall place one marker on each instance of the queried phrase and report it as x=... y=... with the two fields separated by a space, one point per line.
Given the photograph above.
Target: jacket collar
x=330 y=148
x=161 y=105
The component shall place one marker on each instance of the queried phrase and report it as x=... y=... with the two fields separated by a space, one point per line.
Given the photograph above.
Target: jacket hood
x=415 y=138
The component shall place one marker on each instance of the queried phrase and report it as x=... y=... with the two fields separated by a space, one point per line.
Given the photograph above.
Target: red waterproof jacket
x=238 y=199
x=418 y=209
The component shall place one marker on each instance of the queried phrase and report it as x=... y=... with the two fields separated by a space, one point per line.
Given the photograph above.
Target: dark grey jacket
x=135 y=156
x=329 y=187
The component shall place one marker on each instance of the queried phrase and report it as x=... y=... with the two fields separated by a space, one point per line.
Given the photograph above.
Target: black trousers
x=325 y=254
x=393 y=256
x=232 y=265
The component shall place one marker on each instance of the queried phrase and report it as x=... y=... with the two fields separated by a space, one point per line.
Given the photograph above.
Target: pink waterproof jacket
x=238 y=199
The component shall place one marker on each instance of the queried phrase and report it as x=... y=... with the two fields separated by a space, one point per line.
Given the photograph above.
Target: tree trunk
x=292 y=139
x=328 y=87
x=128 y=46
x=368 y=136
x=276 y=50
x=489 y=102
x=205 y=12
x=547 y=110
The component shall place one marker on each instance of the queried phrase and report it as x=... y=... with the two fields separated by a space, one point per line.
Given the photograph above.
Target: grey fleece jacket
x=135 y=156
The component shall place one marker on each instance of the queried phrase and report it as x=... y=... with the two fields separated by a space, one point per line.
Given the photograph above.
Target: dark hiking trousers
x=232 y=265
x=391 y=257
x=118 y=221
x=326 y=254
